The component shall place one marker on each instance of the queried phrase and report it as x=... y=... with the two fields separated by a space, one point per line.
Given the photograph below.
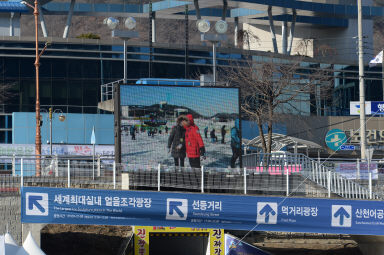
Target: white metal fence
x=56 y=172
x=263 y=174
x=315 y=171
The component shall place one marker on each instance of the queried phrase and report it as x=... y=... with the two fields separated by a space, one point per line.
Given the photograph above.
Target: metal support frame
x=69 y=19
x=292 y=31
x=11 y=29
x=284 y=37
x=42 y=22
x=197 y=9
x=236 y=31
x=272 y=28
x=153 y=22
x=225 y=7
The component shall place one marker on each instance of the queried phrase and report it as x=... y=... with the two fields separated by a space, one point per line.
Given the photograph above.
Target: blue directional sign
x=116 y=207
x=347 y=147
x=377 y=107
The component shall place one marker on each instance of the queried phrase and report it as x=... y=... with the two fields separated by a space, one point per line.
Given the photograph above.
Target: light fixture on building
x=111 y=22
x=130 y=23
x=203 y=25
x=221 y=27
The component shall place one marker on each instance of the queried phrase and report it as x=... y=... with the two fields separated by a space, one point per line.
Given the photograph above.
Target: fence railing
x=335 y=183
x=56 y=172
x=215 y=180
x=263 y=174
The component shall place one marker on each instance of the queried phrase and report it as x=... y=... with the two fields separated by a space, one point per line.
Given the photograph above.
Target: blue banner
x=377 y=107
x=116 y=207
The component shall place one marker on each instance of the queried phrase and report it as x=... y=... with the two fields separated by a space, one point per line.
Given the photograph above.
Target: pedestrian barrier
x=290 y=175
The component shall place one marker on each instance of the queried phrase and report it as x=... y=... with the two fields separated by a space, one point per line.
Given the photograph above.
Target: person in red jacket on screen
x=194 y=143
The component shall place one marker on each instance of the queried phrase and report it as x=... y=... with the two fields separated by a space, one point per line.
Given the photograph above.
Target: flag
x=376 y=60
x=93 y=136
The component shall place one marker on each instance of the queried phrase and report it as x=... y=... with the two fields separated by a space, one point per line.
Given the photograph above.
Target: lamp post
x=221 y=28
x=61 y=118
x=112 y=23
x=37 y=65
x=361 y=81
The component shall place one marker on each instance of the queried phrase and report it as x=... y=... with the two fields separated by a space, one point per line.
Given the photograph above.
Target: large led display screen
x=184 y=126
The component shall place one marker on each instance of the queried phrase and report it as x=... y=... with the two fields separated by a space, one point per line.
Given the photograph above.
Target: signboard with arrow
x=120 y=207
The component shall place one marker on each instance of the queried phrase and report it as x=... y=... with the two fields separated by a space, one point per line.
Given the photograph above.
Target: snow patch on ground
x=153 y=150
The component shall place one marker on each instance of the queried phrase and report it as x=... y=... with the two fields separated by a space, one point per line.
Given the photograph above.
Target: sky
x=204 y=100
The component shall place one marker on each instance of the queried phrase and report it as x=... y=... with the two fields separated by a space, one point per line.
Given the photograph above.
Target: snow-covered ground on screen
x=153 y=150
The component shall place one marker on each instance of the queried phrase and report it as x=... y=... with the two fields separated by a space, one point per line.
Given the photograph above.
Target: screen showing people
x=181 y=126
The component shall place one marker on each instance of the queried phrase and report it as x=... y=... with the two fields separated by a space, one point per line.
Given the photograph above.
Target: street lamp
x=50 y=117
x=61 y=118
x=112 y=23
x=221 y=28
x=129 y=23
x=37 y=65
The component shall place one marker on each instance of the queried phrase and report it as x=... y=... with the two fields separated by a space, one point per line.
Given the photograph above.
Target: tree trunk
x=261 y=134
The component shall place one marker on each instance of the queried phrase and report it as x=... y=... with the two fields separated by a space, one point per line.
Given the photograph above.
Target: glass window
x=60 y=92
x=45 y=92
x=2 y=121
x=27 y=68
x=90 y=95
x=59 y=68
x=91 y=69
x=75 y=93
x=2 y=136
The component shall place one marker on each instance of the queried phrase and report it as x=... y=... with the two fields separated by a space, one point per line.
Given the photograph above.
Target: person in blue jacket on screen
x=235 y=143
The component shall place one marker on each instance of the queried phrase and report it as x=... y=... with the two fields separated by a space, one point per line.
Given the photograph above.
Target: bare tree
x=274 y=87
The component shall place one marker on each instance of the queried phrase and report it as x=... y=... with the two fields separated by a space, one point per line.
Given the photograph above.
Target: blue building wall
x=76 y=129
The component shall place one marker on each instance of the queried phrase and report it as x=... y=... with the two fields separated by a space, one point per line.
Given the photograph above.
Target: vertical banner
x=216 y=243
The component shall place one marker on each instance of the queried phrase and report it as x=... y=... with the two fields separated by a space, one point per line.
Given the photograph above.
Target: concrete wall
x=76 y=129
x=10 y=208
x=329 y=43
x=263 y=41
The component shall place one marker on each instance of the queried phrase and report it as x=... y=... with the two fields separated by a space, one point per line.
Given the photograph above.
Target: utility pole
x=361 y=80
